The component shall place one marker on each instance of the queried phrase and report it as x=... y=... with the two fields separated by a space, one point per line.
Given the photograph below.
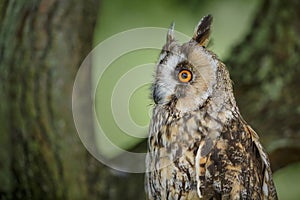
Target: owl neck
x=221 y=103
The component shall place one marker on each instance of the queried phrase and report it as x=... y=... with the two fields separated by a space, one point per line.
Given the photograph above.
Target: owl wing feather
x=268 y=187
x=201 y=159
x=221 y=174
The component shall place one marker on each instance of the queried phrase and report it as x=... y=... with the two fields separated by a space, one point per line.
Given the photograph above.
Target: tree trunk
x=42 y=44
x=266 y=69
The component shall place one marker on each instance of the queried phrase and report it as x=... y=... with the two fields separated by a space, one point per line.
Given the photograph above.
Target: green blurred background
x=232 y=21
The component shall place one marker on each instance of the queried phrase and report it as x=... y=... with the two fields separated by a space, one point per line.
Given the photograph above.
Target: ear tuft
x=170 y=34
x=202 y=30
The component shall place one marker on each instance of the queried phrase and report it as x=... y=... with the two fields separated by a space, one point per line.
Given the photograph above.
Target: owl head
x=189 y=75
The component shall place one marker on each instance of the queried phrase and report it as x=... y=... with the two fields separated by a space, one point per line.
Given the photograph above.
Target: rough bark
x=265 y=68
x=42 y=44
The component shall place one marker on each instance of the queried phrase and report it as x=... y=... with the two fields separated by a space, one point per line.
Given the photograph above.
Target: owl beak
x=202 y=30
x=155 y=94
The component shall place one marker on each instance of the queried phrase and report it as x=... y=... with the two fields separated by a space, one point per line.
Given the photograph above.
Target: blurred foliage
x=231 y=18
x=287 y=182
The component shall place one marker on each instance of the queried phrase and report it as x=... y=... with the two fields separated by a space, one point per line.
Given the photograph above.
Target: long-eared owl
x=199 y=146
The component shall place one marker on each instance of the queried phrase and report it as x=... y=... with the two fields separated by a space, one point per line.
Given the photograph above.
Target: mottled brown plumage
x=199 y=145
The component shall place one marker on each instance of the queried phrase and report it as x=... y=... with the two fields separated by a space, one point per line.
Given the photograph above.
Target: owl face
x=186 y=74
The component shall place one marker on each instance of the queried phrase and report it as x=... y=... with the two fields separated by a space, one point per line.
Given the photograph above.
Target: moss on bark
x=266 y=68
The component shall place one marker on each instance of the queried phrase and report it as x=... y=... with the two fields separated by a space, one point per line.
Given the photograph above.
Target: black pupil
x=184 y=75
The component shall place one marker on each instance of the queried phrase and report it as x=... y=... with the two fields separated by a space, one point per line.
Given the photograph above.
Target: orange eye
x=185 y=76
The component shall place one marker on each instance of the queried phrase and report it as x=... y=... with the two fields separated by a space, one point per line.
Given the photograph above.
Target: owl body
x=199 y=145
